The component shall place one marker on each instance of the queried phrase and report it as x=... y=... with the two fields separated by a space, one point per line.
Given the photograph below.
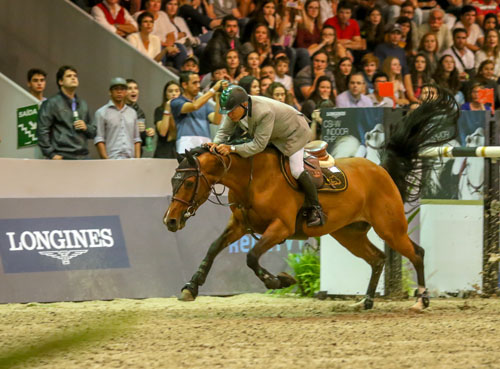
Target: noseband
x=193 y=204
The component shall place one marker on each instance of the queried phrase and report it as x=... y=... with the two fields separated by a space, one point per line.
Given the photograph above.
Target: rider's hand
x=223 y=149
x=211 y=146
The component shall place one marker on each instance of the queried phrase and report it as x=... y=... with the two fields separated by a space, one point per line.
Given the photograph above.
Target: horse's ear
x=179 y=157
x=190 y=158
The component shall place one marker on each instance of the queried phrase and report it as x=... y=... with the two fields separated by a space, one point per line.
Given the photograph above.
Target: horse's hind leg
x=275 y=233
x=233 y=232
x=357 y=242
x=398 y=240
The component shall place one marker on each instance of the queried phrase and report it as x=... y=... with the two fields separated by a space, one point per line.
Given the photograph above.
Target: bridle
x=193 y=204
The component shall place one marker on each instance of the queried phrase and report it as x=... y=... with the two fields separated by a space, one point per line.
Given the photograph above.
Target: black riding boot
x=315 y=215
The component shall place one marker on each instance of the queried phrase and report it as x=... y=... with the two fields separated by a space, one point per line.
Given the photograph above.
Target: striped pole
x=457 y=152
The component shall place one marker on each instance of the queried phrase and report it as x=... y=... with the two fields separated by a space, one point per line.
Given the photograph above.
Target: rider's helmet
x=232 y=97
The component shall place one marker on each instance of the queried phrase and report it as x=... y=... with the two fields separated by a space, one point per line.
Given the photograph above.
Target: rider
x=268 y=121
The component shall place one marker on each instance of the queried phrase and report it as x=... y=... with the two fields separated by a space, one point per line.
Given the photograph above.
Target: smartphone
x=292 y=4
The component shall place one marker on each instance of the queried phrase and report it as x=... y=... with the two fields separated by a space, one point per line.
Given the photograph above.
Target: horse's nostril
x=171 y=223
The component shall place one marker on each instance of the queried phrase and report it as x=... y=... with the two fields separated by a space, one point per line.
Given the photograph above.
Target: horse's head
x=191 y=186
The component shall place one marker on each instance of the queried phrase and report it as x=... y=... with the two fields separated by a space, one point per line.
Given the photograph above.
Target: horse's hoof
x=286 y=280
x=368 y=303
x=418 y=307
x=186 y=295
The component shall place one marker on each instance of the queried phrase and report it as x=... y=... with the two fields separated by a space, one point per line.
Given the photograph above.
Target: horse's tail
x=419 y=129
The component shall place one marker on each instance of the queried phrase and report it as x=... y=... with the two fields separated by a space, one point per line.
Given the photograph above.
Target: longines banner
x=354 y=132
x=51 y=244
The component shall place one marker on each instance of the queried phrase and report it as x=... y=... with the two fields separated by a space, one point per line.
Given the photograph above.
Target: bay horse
x=263 y=202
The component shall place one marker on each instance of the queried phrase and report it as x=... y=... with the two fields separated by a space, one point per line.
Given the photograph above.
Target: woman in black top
x=164 y=123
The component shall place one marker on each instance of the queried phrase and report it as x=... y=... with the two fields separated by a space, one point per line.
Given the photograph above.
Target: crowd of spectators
x=308 y=54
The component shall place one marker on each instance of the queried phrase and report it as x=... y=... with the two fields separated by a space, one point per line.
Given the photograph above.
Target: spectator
x=464 y=58
x=341 y=73
x=268 y=70
x=307 y=78
x=334 y=49
x=379 y=101
x=200 y=17
x=265 y=82
x=486 y=76
x=265 y=13
x=370 y=67
x=165 y=124
x=408 y=43
x=353 y=97
x=309 y=29
x=260 y=42
x=373 y=29
x=117 y=129
x=235 y=70
x=131 y=100
x=251 y=85
x=162 y=26
x=347 y=29
x=392 y=48
x=287 y=31
x=447 y=76
x=181 y=31
x=490 y=22
x=475 y=35
x=193 y=115
x=147 y=43
x=64 y=123
x=253 y=64
x=485 y=7
x=323 y=92
x=392 y=69
x=36 y=84
x=114 y=17
x=191 y=64
x=277 y=91
x=429 y=46
x=489 y=51
x=219 y=73
x=437 y=27
x=419 y=76
x=409 y=10
x=473 y=102
x=282 y=64
x=222 y=40
x=227 y=8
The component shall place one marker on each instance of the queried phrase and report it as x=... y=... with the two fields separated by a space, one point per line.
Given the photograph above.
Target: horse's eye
x=189 y=185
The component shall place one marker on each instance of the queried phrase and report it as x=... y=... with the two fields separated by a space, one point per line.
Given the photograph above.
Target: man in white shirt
x=475 y=35
x=114 y=17
x=353 y=97
x=464 y=58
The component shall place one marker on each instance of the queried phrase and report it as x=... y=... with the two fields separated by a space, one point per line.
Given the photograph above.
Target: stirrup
x=316 y=217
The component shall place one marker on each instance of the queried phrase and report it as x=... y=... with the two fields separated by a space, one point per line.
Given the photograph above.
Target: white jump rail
x=457 y=152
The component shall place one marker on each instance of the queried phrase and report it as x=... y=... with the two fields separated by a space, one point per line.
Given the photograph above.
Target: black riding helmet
x=232 y=97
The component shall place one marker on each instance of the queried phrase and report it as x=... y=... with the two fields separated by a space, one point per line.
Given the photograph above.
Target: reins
x=193 y=204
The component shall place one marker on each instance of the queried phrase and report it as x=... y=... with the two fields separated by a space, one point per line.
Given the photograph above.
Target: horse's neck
x=237 y=177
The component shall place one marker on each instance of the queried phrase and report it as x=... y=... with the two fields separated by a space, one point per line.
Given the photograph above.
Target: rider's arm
x=261 y=137
x=225 y=131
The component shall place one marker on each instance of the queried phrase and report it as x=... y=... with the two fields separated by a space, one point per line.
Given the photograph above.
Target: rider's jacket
x=268 y=121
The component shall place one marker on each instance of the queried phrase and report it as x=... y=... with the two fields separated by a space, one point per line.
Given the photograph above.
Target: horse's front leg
x=233 y=232
x=276 y=232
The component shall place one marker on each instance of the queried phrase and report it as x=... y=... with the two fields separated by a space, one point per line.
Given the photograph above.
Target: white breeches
x=297 y=163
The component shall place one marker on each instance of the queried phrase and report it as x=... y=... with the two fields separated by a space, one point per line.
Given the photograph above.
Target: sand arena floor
x=250 y=331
